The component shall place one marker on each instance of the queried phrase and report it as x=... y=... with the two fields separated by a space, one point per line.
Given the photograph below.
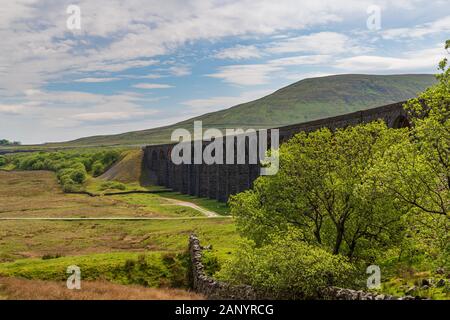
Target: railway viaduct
x=219 y=181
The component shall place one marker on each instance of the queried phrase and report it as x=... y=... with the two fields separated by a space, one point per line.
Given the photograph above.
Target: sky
x=139 y=64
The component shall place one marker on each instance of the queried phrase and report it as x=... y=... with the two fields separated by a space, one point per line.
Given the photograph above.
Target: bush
x=78 y=176
x=71 y=186
x=169 y=271
x=112 y=185
x=178 y=269
x=109 y=157
x=97 y=168
x=210 y=263
x=71 y=167
x=51 y=256
x=287 y=267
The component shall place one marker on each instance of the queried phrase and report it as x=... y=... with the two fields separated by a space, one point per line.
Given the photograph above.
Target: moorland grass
x=149 y=269
x=104 y=250
x=38 y=194
x=35 y=239
x=23 y=289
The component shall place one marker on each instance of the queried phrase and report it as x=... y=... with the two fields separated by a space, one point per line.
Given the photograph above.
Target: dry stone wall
x=217 y=290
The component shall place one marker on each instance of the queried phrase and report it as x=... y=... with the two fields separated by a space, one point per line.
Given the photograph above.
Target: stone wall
x=220 y=181
x=217 y=290
x=334 y=293
x=211 y=288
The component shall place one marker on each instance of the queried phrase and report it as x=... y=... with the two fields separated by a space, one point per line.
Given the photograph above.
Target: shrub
x=112 y=185
x=287 y=267
x=78 y=176
x=71 y=167
x=71 y=187
x=51 y=256
x=109 y=157
x=97 y=168
x=141 y=272
x=178 y=269
x=210 y=263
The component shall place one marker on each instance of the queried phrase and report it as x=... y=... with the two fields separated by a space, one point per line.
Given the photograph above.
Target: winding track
x=207 y=215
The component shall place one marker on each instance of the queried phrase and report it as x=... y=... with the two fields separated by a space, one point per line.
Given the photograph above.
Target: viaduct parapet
x=219 y=181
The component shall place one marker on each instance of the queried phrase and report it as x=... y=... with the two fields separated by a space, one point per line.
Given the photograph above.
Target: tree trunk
x=339 y=238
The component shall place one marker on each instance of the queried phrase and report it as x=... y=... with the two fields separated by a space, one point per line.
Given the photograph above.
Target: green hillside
x=318 y=98
x=306 y=100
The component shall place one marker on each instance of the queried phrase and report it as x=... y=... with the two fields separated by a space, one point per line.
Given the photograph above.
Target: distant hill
x=306 y=100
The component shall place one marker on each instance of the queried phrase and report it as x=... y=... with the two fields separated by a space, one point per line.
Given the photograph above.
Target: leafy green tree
x=287 y=267
x=71 y=167
x=4 y=142
x=321 y=191
x=416 y=172
x=424 y=181
x=98 y=168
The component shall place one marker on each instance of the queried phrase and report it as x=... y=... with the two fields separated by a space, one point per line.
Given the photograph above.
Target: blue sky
x=139 y=64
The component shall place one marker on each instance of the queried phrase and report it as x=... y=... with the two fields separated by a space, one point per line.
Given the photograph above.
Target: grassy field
x=114 y=256
x=23 y=289
x=25 y=194
x=106 y=250
x=35 y=239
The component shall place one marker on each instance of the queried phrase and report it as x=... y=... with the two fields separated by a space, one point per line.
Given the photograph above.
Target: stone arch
x=401 y=122
x=154 y=160
x=163 y=174
x=162 y=156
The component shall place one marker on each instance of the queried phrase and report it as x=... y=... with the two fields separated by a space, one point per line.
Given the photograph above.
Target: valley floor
x=49 y=231
x=131 y=246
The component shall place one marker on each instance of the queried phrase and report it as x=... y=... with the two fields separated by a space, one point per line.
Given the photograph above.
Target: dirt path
x=173 y=202
x=207 y=213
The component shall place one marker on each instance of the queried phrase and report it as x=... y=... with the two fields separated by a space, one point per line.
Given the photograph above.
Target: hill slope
x=306 y=100
x=126 y=170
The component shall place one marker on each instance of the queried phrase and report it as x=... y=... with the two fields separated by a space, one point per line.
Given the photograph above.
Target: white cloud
x=180 y=71
x=14 y=10
x=201 y=106
x=317 y=43
x=257 y=74
x=96 y=80
x=152 y=86
x=70 y=108
x=410 y=61
x=118 y=35
x=147 y=76
x=117 y=66
x=110 y=116
x=439 y=26
x=239 y=53
x=11 y=109
x=245 y=74
x=300 y=60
